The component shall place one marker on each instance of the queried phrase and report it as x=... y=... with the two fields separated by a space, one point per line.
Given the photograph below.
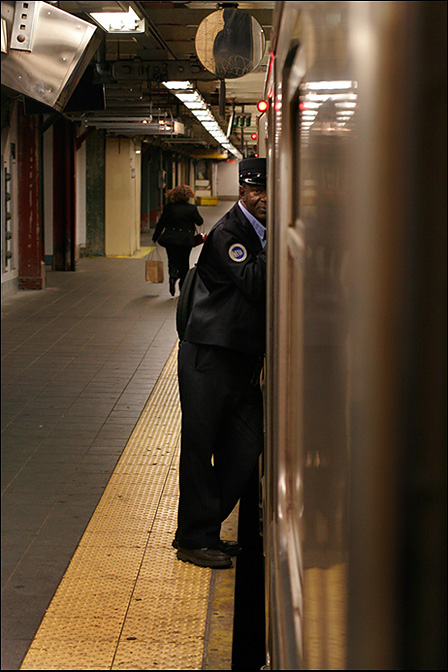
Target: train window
x=296 y=156
x=295 y=374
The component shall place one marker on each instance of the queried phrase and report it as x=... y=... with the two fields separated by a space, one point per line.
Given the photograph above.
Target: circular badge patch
x=237 y=252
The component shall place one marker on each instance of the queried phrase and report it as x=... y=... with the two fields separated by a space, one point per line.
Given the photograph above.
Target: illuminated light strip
x=332 y=86
x=192 y=99
x=322 y=97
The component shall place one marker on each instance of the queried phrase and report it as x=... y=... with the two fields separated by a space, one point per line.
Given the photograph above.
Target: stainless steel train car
x=354 y=474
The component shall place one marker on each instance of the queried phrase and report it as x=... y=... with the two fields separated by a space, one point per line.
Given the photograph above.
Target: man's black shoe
x=205 y=557
x=231 y=548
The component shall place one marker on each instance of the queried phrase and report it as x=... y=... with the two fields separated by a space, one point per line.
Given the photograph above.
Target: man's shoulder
x=232 y=228
x=233 y=217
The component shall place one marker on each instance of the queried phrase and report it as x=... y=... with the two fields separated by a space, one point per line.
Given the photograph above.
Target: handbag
x=154 y=267
x=199 y=239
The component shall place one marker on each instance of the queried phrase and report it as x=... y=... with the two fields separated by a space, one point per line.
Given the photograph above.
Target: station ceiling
x=131 y=67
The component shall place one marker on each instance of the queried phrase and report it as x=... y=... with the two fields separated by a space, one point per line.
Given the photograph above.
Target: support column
x=155 y=208
x=64 y=243
x=122 y=197
x=31 y=265
x=145 y=195
x=95 y=194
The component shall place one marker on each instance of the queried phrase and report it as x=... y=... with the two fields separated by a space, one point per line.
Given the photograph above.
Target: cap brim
x=254 y=179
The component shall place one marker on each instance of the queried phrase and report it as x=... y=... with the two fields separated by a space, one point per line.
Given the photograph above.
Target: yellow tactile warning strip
x=219 y=634
x=126 y=602
x=138 y=254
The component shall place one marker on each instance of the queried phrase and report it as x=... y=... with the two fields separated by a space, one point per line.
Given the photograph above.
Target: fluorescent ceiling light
x=193 y=100
x=119 y=22
x=203 y=114
x=190 y=97
x=199 y=105
x=179 y=86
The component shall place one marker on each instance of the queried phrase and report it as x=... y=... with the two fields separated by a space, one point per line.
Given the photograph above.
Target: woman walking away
x=175 y=231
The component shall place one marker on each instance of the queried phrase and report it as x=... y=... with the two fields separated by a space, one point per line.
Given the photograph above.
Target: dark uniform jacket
x=177 y=222
x=230 y=301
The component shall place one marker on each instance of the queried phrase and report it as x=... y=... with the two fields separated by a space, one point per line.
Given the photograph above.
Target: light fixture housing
x=121 y=23
x=186 y=92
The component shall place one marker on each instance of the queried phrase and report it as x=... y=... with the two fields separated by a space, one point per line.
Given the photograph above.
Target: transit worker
x=175 y=231
x=220 y=359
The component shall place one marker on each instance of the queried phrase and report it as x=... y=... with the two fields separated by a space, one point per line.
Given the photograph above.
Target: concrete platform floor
x=79 y=361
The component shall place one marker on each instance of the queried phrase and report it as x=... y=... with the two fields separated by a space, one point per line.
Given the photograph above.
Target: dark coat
x=177 y=222
x=229 y=307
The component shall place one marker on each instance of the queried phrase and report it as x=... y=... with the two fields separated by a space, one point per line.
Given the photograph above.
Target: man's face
x=254 y=200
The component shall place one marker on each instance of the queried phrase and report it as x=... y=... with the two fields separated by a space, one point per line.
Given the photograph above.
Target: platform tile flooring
x=79 y=362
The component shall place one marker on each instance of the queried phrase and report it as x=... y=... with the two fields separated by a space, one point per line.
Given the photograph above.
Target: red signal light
x=254 y=136
x=262 y=106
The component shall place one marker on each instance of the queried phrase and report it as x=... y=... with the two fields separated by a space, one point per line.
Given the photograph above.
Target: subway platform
x=90 y=443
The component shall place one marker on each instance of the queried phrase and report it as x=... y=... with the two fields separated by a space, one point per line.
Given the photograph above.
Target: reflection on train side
x=354 y=500
x=326 y=112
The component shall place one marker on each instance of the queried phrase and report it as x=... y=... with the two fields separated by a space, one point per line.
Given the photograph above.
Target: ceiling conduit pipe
x=153 y=29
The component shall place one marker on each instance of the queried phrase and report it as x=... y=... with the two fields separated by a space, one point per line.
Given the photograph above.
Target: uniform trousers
x=222 y=437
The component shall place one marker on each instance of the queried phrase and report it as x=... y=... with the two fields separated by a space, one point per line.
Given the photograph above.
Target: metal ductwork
x=46 y=51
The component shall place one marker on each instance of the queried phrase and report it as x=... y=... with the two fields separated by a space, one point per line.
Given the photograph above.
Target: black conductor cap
x=252 y=171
